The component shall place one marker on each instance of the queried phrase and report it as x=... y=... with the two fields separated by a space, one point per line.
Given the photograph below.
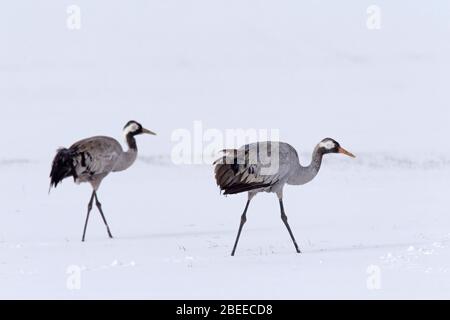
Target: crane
x=268 y=167
x=92 y=159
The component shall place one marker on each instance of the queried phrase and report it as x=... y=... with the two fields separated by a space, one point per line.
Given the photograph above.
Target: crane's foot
x=109 y=232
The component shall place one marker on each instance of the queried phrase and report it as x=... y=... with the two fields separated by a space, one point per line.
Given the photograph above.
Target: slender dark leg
x=99 y=206
x=243 y=221
x=285 y=220
x=87 y=218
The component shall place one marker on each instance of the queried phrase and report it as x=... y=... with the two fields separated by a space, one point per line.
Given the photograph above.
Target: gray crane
x=268 y=167
x=92 y=159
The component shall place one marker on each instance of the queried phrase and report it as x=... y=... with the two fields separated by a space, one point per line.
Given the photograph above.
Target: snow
x=178 y=245
x=374 y=227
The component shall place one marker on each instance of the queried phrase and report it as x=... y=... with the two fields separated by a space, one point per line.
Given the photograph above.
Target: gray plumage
x=92 y=159
x=97 y=157
x=268 y=167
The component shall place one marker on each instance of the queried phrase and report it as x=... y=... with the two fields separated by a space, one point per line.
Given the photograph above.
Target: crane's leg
x=243 y=221
x=99 y=206
x=88 y=213
x=285 y=220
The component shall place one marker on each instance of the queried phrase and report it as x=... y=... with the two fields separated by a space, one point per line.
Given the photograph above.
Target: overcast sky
x=311 y=69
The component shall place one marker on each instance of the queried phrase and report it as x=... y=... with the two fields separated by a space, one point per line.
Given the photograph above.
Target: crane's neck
x=128 y=157
x=302 y=175
x=131 y=142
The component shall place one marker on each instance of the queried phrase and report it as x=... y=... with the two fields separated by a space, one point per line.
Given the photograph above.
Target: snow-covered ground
x=174 y=234
x=374 y=227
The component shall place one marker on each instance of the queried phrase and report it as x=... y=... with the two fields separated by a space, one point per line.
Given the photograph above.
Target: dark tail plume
x=230 y=175
x=63 y=166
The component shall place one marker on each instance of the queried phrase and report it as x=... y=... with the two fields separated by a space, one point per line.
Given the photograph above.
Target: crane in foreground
x=92 y=159
x=268 y=167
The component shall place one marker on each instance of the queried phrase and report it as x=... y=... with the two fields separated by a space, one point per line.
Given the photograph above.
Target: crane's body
x=242 y=174
x=268 y=167
x=91 y=160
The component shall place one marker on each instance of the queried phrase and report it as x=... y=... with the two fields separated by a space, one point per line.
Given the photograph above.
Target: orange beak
x=343 y=151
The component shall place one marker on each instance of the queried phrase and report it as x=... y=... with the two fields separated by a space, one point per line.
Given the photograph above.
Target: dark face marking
x=138 y=125
x=335 y=149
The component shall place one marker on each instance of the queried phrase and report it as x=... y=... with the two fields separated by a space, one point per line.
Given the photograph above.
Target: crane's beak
x=146 y=131
x=343 y=151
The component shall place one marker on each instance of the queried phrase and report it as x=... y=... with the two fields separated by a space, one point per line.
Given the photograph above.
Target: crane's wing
x=249 y=168
x=96 y=155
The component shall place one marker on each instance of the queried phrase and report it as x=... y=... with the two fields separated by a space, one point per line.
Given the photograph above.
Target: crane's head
x=135 y=128
x=329 y=145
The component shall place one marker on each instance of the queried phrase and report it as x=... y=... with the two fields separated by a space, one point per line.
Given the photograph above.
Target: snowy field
x=377 y=227
x=178 y=246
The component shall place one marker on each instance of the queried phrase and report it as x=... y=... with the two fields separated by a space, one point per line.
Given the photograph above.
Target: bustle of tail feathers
x=227 y=171
x=63 y=166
